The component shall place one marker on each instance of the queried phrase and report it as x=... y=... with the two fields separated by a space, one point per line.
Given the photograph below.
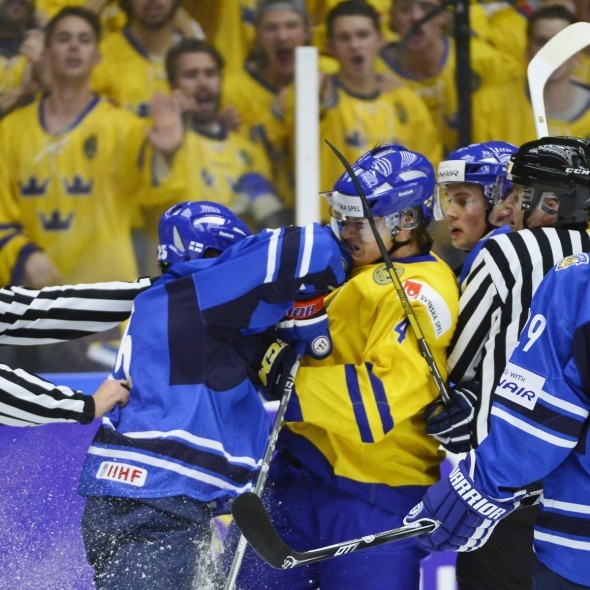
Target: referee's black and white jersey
x=495 y=301
x=55 y=314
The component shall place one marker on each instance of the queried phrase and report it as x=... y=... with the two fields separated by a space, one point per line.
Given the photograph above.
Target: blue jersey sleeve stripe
x=559 y=505
x=564 y=524
x=358 y=408
x=272 y=256
x=563 y=405
x=547 y=418
x=554 y=539
x=308 y=239
x=532 y=430
x=381 y=398
x=290 y=252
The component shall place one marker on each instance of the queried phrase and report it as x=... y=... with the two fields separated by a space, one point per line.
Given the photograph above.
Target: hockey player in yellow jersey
x=212 y=160
x=71 y=171
x=355 y=113
x=354 y=451
x=132 y=70
x=426 y=61
x=567 y=102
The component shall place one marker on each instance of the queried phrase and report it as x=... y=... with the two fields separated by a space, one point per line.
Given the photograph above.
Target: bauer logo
x=122 y=473
x=520 y=386
x=573 y=260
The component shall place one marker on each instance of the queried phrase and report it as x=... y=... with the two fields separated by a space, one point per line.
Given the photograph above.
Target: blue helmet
x=479 y=163
x=397 y=182
x=188 y=230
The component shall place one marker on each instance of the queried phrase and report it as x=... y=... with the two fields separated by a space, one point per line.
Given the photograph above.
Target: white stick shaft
x=549 y=58
x=307 y=200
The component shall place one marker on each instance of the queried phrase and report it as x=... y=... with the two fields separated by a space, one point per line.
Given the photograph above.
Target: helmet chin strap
x=397 y=245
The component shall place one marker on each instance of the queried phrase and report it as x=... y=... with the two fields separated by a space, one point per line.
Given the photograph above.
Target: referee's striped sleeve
x=28 y=400
x=55 y=314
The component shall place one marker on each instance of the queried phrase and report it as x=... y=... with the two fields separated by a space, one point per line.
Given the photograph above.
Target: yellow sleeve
x=14 y=244
x=390 y=382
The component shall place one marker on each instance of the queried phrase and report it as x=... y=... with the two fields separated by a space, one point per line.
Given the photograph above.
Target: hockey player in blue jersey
x=539 y=431
x=471 y=186
x=470 y=182
x=195 y=428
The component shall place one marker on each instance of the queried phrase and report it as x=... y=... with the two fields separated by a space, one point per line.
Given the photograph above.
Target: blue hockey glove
x=305 y=324
x=466 y=515
x=451 y=425
x=271 y=367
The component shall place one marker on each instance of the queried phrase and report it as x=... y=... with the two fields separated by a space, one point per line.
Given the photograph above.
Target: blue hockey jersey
x=195 y=424
x=540 y=419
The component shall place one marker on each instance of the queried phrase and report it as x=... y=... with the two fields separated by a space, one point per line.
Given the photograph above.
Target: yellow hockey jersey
x=506 y=114
x=12 y=70
x=127 y=75
x=489 y=66
x=73 y=193
x=356 y=124
x=360 y=410
x=253 y=100
x=209 y=167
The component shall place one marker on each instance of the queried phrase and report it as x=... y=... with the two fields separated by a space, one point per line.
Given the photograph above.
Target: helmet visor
x=460 y=197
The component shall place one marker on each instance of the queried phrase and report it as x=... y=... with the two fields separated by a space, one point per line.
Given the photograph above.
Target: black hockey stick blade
x=252 y=519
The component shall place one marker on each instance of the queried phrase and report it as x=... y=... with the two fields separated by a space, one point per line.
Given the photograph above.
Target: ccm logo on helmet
x=583 y=171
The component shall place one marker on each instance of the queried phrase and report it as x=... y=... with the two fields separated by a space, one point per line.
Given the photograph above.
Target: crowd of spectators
x=113 y=110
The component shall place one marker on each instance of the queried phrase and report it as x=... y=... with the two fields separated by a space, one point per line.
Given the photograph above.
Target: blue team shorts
x=145 y=544
x=309 y=514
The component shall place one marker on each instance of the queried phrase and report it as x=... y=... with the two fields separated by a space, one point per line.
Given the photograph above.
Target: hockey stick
x=422 y=344
x=265 y=466
x=551 y=56
x=253 y=520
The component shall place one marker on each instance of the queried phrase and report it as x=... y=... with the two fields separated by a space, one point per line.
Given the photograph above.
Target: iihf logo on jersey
x=122 y=473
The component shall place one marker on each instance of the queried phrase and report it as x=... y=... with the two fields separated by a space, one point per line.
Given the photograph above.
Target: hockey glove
x=466 y=515
x=451 y=425
x=271 y=367
x=305 y=324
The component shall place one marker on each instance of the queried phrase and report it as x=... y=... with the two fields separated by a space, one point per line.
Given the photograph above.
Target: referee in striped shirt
x=549 y=203
x=55 y=314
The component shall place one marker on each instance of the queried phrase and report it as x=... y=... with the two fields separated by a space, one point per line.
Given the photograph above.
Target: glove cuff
x=461 y=481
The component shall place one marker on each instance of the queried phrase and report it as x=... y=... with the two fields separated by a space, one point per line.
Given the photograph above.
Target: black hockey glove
x=452 y=425
x=271 y=367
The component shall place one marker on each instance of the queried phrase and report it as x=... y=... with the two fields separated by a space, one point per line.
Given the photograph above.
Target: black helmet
x=556 y=165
